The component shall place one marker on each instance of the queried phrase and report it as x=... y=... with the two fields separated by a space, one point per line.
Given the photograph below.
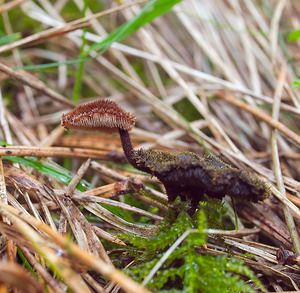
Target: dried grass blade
x=95 y=263
x=276 y=161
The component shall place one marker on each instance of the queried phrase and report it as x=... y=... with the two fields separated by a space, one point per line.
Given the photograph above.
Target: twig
x=26 y=78
x=12 y=4
x=261 y=115
x=63 y=29
x=275 y=26
x=82 y=198
x=166 y=255
x=21 y=151
x=78 y=176
x=276 y=162
x=233 y=233
x=42 y=271
x=107 y=236
x=92 y=262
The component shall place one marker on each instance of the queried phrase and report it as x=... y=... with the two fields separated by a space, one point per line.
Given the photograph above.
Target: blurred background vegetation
x=216 y=76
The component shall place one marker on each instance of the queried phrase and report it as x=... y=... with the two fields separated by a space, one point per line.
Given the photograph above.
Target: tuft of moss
x=186 y=269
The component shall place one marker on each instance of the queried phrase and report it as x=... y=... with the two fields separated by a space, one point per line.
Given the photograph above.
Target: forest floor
x=218 y=77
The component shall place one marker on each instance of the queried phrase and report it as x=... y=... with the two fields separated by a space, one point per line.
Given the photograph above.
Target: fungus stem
x=127 y=147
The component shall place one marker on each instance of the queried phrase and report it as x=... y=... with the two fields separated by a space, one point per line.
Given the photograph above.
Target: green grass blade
x=9 y=38
x=296 y=83
x=78 y=78
x=44 y=66
x=151 y=10
x=80 y=69
x=294 y=36
x=25 y=262
x=49 y=168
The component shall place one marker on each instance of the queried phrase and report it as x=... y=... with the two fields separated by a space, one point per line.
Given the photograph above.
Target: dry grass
x=211 y=74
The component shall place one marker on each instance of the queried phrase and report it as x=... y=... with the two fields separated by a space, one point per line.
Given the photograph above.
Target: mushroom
x=183 y=174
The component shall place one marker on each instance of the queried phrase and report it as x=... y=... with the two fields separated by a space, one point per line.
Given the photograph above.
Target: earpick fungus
x=98 y=115
x=184 y=174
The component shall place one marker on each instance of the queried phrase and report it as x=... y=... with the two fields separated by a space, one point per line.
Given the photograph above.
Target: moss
x=26 y=25
x=187 y=110
x=186 y=270
x=159 y=162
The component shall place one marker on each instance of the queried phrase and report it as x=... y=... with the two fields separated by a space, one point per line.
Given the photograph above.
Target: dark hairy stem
x=127 y=147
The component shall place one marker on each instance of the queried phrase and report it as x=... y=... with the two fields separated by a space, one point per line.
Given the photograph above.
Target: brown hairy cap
x=98 y=115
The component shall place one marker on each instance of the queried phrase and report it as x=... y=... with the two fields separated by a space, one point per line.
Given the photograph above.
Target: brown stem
x=127 y=147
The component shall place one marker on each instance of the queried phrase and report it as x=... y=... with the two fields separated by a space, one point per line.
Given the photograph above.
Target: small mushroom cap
x=98 y=115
